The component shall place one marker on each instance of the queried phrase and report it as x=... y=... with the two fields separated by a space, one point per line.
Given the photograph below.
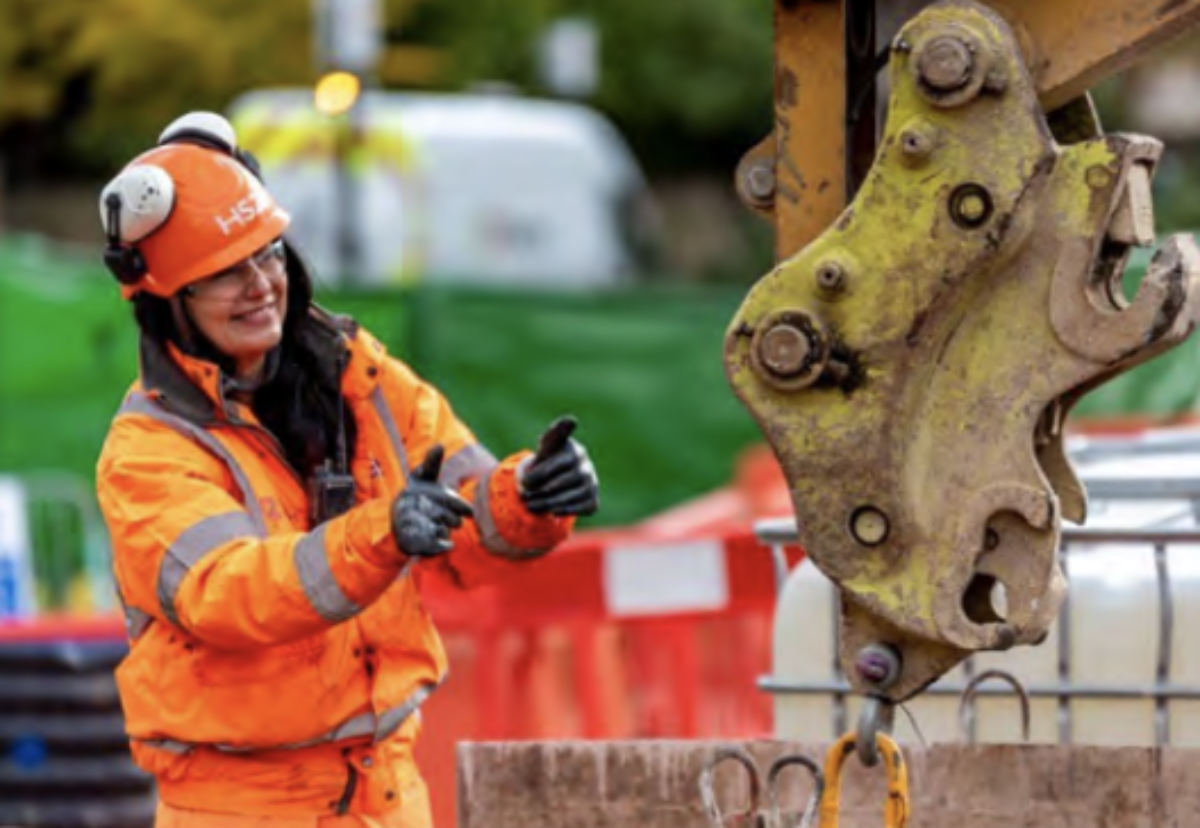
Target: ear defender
x=125 y=263
x=134 y=204
x=139 y=201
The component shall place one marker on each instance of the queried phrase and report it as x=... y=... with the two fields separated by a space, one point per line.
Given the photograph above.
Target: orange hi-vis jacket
x=275 y=667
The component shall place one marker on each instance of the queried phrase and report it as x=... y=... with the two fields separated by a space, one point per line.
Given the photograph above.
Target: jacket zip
x=343 y=804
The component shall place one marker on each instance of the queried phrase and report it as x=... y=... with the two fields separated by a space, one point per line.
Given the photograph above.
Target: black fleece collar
x=197 y=391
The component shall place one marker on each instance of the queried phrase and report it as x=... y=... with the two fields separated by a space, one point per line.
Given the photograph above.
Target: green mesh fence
x=641 y=367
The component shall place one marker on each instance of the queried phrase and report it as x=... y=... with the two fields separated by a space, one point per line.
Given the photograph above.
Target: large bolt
x=760 y=181
x=945 y=64
x=878 y=664
x=789 y=350
x=785 y=350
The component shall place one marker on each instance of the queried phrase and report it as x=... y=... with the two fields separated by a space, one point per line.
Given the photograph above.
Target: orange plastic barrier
x=615 y=636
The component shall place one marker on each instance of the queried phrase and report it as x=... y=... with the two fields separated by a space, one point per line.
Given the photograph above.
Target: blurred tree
x=689 y=83
x=88 y=82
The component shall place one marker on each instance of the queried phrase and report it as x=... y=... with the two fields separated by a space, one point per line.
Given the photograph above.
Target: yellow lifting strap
x=896 y=810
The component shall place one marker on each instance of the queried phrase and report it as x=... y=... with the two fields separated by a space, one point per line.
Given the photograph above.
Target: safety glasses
x=232 y=281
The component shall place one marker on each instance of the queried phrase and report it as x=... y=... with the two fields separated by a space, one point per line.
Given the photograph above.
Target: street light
x=349 y=39
x=336 y=96
x=336 y=92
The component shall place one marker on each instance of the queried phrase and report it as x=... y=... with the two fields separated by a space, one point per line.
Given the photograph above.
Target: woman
x=276 y=488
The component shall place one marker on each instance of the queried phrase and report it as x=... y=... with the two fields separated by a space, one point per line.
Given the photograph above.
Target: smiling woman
x=241 y=309
x=277 y=489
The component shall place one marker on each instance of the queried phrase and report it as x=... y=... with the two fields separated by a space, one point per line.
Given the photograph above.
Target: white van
x=487 y=188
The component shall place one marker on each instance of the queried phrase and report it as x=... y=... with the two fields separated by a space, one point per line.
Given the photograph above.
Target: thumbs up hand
x=560 y=478
x=426 y=511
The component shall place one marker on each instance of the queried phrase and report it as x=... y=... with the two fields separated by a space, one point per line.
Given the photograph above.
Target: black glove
x=560 y=478
x=426 y=511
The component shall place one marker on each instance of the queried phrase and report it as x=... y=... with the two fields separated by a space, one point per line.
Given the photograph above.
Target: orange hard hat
x=185 y=210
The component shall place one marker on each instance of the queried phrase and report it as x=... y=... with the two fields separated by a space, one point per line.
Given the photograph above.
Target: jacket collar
x=196 y=388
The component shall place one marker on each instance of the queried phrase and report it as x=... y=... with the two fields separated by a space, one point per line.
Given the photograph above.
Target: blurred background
x=531 y=201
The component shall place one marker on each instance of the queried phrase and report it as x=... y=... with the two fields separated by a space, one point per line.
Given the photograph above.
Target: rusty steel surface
x=1072 y=45
x=1069 y=45
x=656 y=785
x=913 y=366
x=810 y=114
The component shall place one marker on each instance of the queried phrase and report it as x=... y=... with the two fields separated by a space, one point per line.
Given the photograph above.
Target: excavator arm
x=803 y=174
x=915 y=353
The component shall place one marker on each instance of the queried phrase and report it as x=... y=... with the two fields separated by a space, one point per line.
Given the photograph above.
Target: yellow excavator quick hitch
x=913 y=365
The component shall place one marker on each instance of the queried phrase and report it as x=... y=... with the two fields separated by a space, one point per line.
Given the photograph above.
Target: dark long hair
x=299 y=404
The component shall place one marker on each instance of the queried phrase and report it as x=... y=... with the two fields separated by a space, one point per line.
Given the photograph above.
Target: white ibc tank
x=1108 y=638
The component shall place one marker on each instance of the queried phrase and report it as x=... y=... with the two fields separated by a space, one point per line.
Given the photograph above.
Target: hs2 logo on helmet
x=242 y=213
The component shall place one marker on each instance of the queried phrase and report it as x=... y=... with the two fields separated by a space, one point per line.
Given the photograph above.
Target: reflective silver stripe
x=136 y=622
x=364 y=724
x=139 y=403
x=391 y=720
x=489 y=533
x=470 y=461
x=322 y=589
x=361 y=725
x=169 y=745
x=389 y=425
x=193 y=543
